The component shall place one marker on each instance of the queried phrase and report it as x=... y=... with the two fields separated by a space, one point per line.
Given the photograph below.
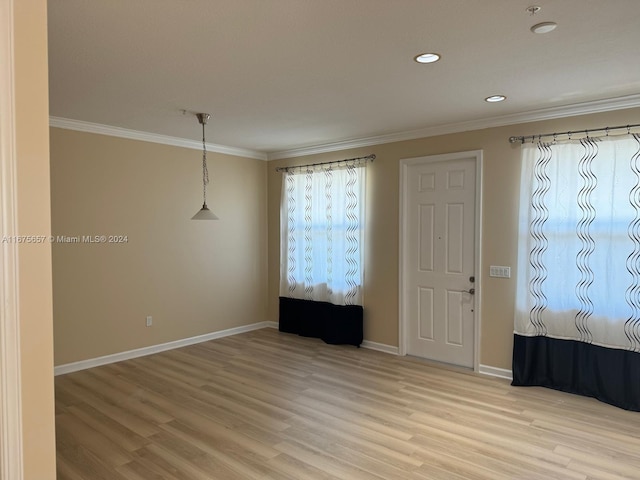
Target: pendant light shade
x=204 y=213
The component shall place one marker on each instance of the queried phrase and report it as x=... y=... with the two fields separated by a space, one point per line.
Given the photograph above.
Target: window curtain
x=322 y=238
x=577 y=313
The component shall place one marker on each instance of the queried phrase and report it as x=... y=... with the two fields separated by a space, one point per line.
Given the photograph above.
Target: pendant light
x=204 y=213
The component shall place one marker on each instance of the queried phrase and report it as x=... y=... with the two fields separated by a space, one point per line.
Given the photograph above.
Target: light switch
x=499 y=271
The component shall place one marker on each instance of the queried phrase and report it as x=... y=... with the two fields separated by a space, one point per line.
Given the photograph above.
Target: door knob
x=471 y=291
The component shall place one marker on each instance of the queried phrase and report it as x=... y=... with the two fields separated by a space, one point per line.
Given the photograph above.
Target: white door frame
x=11 y=448
x=403 y=320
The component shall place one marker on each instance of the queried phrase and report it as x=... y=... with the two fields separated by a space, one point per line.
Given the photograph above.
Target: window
x=579 y=251
x=577 y=318
x=322 y=231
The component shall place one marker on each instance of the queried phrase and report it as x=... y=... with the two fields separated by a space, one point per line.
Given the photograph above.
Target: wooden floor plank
x=264 y=405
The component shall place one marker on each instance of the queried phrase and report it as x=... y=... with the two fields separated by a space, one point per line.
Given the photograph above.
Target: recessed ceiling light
x=427 y=58
x=544 y=27
x=495 y=98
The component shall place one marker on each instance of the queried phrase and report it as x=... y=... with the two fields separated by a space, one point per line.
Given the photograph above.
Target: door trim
x=405 y=163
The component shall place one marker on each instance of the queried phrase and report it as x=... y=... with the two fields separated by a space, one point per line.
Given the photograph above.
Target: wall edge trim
x=550 y=113
x=88 y=127
x=162 y=347
x=11 y=397
x=495 y=372
x=585 y=108
x=380 y=347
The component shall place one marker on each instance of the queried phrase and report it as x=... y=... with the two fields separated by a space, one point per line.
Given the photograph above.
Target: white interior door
x=438 y=277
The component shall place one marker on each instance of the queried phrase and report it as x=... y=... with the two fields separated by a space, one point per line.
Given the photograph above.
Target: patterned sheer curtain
x=577 y=316
x=322 y=229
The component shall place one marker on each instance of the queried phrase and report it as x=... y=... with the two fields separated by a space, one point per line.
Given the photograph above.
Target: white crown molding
x=100 y=129
x=597 y=106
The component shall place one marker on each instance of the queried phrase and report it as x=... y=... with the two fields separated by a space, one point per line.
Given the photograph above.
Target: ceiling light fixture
x=544 y=27
x=427 y=58
x=495 y=98
x=204 y=213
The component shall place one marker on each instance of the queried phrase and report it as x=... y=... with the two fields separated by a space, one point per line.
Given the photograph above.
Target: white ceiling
x=278 y=75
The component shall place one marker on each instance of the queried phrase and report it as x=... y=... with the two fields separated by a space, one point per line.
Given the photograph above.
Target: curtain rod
x=587 y=131
x=371 y=157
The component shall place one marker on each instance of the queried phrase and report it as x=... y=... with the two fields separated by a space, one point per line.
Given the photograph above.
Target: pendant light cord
x=205 y=170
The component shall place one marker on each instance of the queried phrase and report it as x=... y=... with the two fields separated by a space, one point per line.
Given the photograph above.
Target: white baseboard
x=141 y=352
x=380 y=347
x=495 y=372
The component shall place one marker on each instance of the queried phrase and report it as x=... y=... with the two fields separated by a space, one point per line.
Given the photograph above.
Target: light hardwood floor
x=267 y=405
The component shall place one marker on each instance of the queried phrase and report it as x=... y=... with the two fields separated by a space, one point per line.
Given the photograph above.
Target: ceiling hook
x=533 y=9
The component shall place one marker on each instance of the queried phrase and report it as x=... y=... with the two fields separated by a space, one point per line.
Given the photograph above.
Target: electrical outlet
x=149 y=320
x=499 y=271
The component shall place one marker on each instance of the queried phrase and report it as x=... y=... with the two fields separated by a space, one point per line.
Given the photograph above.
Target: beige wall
x=501 y=176
x=201 y=277
x=33 y=212
x=193 y=277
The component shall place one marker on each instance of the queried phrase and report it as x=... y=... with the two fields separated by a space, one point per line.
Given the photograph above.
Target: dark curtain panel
x=608 y=374
x=335 y=324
